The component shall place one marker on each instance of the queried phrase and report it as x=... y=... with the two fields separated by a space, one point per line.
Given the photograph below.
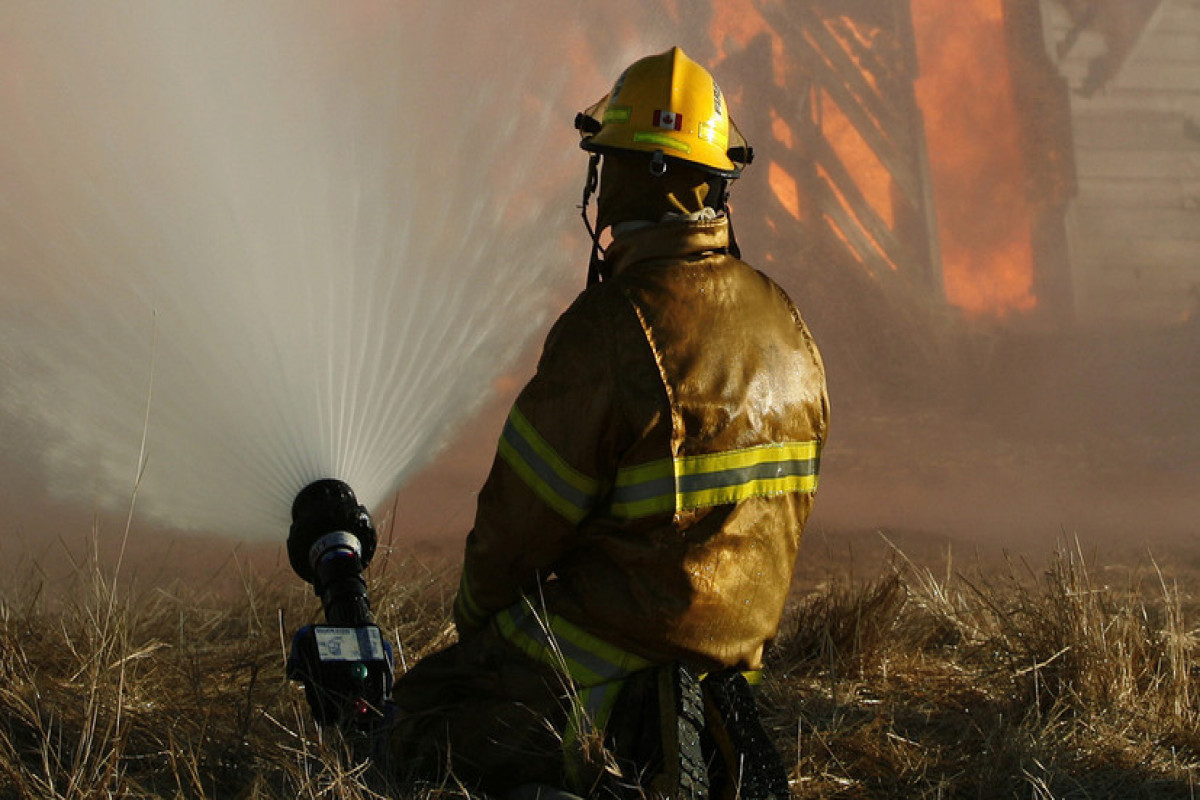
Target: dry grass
x=173 y=694
x=1018 y=682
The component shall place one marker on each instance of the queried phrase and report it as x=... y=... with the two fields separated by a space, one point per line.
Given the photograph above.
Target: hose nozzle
x=331 y=541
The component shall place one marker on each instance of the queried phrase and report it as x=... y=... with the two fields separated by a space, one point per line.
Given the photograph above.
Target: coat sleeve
x=553 y=465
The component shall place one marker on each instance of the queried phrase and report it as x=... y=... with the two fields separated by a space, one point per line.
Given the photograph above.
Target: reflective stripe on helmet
x=562 y=487
x=691 y=482
x=662 y=140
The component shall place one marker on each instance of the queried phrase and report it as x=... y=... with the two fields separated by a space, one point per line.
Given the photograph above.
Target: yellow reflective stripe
x=646 y=473
x=661 y=139
x=576 y=641
x=600 y=708
x=563 y=646
x=761 y=471
x=644 y=490
x=711 y=132
x=715 y=479
x=591 y=709
x=748 y=457
x=517 y=637
x=466 y=604
x=534 y=641
x=571 y=736
x=617 y=114
x=559 y=485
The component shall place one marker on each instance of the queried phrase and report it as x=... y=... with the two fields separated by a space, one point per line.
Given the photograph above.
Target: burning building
x=1011 y=168
x=1030 y=161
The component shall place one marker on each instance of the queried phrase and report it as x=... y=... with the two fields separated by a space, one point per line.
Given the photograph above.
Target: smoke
x=249 y=246
x=243 y=247
x=283 y=241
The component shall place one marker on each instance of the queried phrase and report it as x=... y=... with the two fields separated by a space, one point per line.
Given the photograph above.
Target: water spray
x=225 y=184
x=345 y=665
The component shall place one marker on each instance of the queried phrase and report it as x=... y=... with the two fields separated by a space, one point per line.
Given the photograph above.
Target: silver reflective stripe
x=771 y=470
x=640 y=492
x=562 y=487
x=702 y=481
x=587 y=659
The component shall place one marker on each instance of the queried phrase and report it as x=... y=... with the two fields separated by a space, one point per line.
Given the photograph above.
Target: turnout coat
x=653 y=478
x=644 y=508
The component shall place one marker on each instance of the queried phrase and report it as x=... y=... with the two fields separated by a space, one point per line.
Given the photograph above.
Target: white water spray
x=331 y=226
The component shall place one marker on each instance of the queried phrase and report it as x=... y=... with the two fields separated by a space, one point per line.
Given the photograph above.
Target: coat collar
x=672 y=238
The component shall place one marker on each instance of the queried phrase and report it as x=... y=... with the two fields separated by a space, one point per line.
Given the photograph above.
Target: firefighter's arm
x=551 y=467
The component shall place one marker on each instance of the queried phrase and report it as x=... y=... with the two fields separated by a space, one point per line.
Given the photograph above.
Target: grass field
x=895 y=675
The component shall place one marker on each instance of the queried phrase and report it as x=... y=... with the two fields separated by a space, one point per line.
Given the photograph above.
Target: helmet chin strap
x=596 y=268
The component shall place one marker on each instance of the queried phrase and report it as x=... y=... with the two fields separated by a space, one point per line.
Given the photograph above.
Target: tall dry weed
x=1001 y=683
x=174 y=693
x=916 y=682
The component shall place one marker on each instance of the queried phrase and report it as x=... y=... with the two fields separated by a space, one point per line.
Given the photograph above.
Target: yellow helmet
x=671 y=105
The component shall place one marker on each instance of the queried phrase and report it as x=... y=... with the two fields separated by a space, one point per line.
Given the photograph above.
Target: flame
x=870 y=175
x=782 y=182
x=849 y=33
x=786 y=190
x=978 y=173
x=781 y=130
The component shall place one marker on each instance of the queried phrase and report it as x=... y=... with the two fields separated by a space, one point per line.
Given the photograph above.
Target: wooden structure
x=849 y=135
x=1133 y=67
x=853 y=142
x=860 y=62
x=844 y=217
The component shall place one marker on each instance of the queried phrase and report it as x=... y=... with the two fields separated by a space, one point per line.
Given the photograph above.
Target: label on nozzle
x=349 y=644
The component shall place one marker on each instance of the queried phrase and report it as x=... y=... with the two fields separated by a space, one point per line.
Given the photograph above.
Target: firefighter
x=635 y=539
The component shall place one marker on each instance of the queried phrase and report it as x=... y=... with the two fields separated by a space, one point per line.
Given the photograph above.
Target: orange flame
x=983 y=212
x=870 y=175
x=784 y=187
x=781 y=130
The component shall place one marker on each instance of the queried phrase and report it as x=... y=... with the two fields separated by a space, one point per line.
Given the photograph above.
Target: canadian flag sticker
x=669 y=120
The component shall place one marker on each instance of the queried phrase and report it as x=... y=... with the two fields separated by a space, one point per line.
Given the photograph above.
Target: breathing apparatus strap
x=595 y=262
